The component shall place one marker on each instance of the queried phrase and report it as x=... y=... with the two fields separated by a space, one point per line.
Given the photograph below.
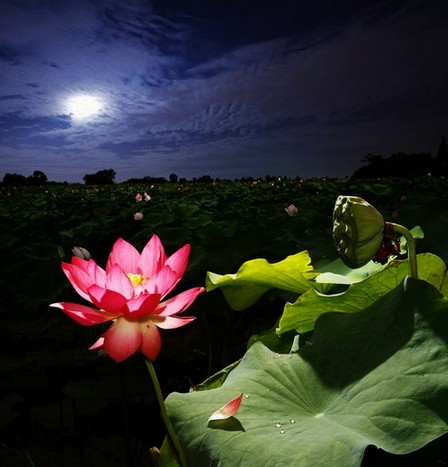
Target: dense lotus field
x=63 y=405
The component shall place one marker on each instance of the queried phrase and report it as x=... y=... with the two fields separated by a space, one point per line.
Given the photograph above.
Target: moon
x=83 y=107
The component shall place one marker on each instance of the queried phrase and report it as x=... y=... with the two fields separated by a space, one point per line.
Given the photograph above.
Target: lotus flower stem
x=172 y=436
x=410 y=242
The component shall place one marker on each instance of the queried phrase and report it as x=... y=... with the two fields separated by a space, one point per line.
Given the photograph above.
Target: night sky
x=228 y=88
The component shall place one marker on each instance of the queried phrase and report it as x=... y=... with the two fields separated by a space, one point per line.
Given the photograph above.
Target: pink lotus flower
x=130 y=293
x=291 y=210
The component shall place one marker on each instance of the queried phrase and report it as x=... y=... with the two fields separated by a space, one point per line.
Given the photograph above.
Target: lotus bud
x=291 y=210
x=358 y=230
x=138 y=216
x=81 y=252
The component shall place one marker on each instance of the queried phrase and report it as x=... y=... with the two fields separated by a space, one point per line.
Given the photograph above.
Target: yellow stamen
x=137 y=279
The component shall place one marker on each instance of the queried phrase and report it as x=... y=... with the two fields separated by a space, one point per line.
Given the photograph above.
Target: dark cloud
x=11 y=97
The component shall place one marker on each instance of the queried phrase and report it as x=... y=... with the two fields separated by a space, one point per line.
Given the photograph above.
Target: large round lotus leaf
x=302 y=314
x=377 y=377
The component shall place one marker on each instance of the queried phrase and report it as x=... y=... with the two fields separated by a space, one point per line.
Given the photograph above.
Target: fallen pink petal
x=228 y=410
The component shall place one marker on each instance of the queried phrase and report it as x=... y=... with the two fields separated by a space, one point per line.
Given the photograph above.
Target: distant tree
x=442 y=153
x=14 y=180
x=204 y=178
x=399 y=164
x=441 y=162
x=373 y=167
x=102 y=177
x=145 y=179
x=245 y=179
x=173 y=178
x=38 y=178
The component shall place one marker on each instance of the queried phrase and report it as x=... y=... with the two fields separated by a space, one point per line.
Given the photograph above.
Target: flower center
x=137 y=279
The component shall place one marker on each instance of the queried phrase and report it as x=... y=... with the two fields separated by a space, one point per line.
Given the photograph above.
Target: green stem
x=172 y=436
x=410 y=242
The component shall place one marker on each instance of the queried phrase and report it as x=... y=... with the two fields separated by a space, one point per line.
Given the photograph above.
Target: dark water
x=62 y=405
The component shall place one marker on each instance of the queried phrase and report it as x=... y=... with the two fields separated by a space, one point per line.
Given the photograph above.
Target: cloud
x=182 y=95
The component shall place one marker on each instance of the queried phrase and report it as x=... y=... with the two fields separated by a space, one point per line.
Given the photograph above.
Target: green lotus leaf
x=377 y=377
x=416 y=232
x=337 y=272
x=217 y=379
x=302 y=314
x=444 y=286
x=257 y=276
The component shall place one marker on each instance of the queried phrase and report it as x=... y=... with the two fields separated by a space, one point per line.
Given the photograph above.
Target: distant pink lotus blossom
x=138 y=197
x=138 y=216
x=130 y=292
x=146 y=197
x=291 y=210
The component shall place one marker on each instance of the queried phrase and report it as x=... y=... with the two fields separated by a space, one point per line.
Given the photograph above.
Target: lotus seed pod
x=357 y=230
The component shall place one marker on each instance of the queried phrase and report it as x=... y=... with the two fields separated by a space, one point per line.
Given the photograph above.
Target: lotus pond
x=336 y=367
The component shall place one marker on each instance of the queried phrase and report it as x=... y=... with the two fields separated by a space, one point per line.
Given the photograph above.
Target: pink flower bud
x=291 y=210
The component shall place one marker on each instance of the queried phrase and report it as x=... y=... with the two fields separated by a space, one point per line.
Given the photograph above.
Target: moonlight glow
x=83 y=106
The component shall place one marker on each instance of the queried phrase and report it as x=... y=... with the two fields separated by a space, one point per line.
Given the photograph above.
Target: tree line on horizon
x=399 y=164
